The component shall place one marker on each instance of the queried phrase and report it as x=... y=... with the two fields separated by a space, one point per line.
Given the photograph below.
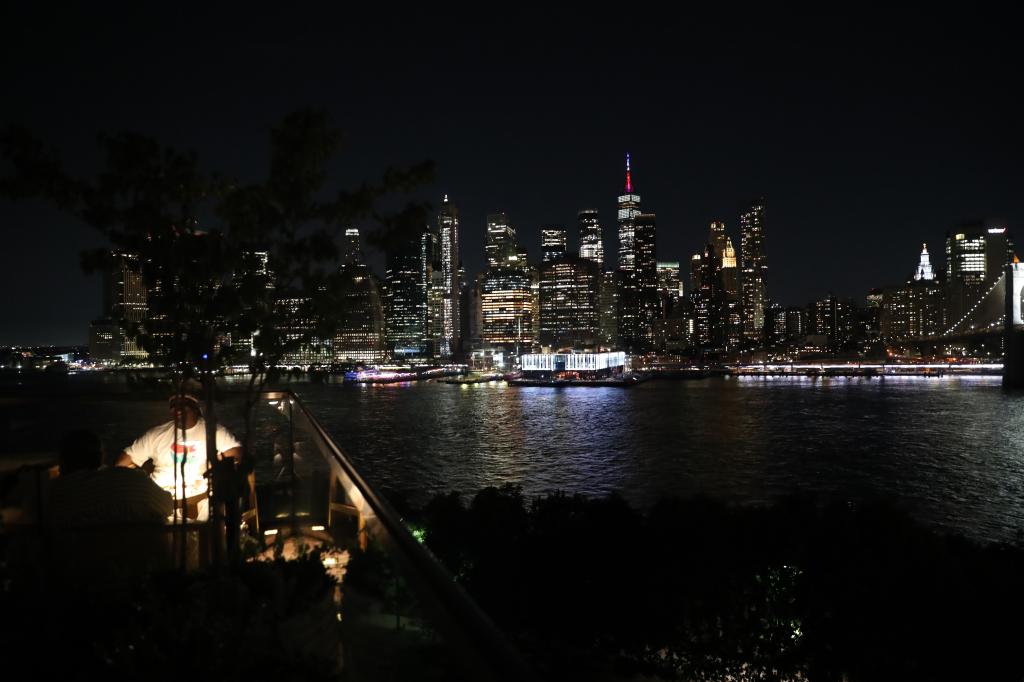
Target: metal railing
x=481 y=651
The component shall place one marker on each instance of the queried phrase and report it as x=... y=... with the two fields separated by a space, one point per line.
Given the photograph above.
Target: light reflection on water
x=948 y=449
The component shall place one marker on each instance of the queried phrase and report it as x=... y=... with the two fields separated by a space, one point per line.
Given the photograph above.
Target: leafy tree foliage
x=265 y=620
x=195 y=231
x=196 y=235
x=698 y=590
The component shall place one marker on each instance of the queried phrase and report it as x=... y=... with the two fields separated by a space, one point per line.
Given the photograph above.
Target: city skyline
x=566 y=303
x=501 y=233
x=881 y=141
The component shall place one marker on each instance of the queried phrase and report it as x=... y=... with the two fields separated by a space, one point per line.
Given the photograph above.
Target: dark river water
x=949 y=449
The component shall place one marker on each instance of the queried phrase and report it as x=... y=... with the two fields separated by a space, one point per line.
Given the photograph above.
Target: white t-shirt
x=158 y=444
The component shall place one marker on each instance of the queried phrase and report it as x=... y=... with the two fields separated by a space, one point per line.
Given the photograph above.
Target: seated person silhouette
x=176 y=453
x=85 y=494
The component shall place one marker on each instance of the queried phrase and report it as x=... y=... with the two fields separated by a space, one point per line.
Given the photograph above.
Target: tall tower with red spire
x=629 y=209
x=630 y=299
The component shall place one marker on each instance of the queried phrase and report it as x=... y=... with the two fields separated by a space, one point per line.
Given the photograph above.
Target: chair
x=251 y=515
x=339 y=507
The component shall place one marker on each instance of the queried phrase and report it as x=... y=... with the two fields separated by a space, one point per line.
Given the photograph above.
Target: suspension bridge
x=990 y=325
x=983 y=321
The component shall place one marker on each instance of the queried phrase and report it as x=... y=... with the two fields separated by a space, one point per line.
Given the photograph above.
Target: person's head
x=184 y=409
x=80 y=450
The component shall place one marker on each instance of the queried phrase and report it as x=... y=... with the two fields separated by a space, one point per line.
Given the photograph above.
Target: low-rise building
x=572 y=365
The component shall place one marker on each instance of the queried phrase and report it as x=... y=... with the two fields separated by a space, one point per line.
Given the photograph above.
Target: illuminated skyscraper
x=508 y=292
x=501 y=240
x=297 y=323
x=508 y=310
x=753 y=270
x=646 y=277
x=450 y=308
x=975 y=259
x=732 y=310
x=775 y=322
x=125 y=307
x=406 y=300
x=915 y=309
x=629 y=209
x=924 y=268
x=717 y=237
x=670 y=287
x=608 y=311
x=591 y=236
x=552 y=242
x=796 y=324
x=696 y=270
x=569 y=301
x=833 y=318
x=435 y=312
x=709 y=301
x=256 y=264
x=254 y=273
x=592 y=249
x=911 y=311
x=350 y=250
x=474 y=311
x=361 y=332
x=870 y=317
x=124 y=291
x=633 y=313
x=730 y=273
x=433 y=288
x=360 y=336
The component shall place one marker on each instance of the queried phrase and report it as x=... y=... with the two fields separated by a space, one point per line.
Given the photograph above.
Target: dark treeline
x=696 y=589
x=70 y=619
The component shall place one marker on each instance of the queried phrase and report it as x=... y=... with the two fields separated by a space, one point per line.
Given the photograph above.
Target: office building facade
x=553 y=240
x=976 y=257
x=753 y=270
x=114 y=338
x=449 y=281
x=591 y=236
x=569 y=304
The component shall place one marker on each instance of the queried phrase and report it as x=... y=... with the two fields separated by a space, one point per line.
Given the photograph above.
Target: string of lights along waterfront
x=427 y=309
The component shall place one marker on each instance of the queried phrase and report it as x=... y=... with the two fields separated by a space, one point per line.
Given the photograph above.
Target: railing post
x=218 y=486
x=291 y=465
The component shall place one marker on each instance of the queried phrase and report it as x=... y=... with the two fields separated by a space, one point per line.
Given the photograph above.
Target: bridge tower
x=1013 y=327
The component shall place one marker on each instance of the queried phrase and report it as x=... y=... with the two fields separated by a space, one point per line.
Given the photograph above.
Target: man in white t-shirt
x=177 y=451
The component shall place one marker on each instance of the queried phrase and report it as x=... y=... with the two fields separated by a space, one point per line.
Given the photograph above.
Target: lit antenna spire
x=629 y=181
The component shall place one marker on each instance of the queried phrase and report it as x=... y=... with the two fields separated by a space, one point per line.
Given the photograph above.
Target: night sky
x=867 y=134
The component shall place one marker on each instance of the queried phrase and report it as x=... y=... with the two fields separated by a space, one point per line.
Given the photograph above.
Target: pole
x=219 y=488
